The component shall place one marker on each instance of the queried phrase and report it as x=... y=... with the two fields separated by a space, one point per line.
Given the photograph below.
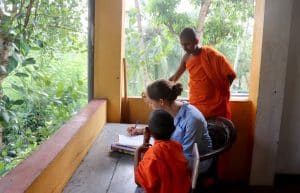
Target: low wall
x=50 y=167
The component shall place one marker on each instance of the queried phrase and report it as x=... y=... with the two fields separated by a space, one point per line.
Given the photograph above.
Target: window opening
x=152 y=47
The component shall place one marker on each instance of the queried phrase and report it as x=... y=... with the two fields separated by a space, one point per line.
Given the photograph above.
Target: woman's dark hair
x=161 y=124
x=164 y=89
x=188 y=33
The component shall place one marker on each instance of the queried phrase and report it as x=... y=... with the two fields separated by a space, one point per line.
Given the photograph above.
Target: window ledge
x=233 y=98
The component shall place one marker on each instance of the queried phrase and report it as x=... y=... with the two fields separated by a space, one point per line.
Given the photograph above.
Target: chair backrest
x=223 y=135
x=195 y=166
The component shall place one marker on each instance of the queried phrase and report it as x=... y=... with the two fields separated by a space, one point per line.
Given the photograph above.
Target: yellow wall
x=239 y=157
x=256 y=51
x=256 y=57
x=137 y=110
x=54 y=178
x=108 y=54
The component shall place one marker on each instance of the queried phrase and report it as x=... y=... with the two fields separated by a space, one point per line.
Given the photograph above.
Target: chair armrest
x=220 y=128
x=214 y=153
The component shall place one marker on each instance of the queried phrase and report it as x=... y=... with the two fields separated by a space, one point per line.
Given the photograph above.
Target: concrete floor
x=103 y=171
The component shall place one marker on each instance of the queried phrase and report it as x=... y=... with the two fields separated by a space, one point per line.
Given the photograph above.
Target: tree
x=204 y=9
x=34 y=25
x=141 y=41
x=38 y=94
x=224 y=24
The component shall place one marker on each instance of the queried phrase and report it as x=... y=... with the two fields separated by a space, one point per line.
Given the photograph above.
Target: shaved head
x=188 y=33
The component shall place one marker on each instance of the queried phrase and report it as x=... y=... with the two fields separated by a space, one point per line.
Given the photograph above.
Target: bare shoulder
x=185 y=57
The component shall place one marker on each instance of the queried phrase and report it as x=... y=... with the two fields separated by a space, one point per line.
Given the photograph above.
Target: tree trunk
x=3 y=62
x=138 y=17
x=141 y=43
x=237 y=57
x=3 y=58
x=201 y=18
x=1 y=139
x=3 y=72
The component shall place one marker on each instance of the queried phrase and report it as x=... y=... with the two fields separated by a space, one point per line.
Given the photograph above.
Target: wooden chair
x=223 y=135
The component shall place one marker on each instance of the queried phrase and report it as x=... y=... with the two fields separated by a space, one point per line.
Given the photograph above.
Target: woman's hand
x=135 y=130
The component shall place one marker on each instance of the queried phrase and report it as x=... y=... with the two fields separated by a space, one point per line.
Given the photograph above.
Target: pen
x=136 y=123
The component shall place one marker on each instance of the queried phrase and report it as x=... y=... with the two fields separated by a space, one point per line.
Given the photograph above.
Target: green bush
x=40 y=98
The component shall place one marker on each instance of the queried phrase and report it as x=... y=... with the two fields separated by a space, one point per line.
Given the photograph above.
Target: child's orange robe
x=208 y=82
x=164 y=169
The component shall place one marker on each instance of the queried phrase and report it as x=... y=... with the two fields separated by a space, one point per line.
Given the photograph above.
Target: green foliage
x=228 y=27
x=42 y=98
x=46 y=82
x=160 y=49
x=50 y=25
x=165 y=13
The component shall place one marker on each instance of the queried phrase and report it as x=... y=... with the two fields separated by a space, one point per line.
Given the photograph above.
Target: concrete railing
x=49 y=168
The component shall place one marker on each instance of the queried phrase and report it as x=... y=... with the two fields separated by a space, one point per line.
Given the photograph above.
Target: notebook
x=128 y=144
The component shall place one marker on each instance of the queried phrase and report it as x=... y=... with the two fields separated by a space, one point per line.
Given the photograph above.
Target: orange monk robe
x=208 y=82
x=164 y=169
x=209 y=89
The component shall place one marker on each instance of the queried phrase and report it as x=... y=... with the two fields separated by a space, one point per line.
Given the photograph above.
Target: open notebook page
x=133 y=141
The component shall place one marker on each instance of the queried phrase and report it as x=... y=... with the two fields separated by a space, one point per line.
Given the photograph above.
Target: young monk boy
x=163 y=168
x=210 y=76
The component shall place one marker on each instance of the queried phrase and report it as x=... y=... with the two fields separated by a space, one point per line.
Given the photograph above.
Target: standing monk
x=210 y=76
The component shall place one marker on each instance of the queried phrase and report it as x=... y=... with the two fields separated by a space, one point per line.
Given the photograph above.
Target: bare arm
x=136 y=160
x=180 y=69
x=141 y=150
x=137 y=156
x=135 y=130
